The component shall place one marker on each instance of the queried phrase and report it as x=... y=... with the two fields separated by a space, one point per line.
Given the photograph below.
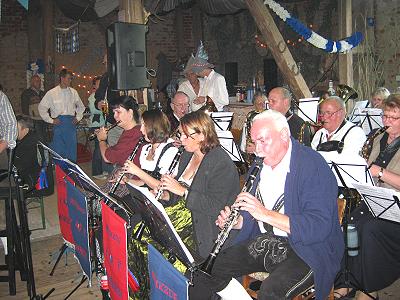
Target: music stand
x=347 y=175
x=370 y=118
x=91 y=188
x=358 y=107
x=383 y=203
x=222 y=120
x=161 y=229
x=308 y=109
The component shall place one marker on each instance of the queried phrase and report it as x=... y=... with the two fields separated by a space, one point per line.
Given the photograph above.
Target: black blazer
x=215 y=185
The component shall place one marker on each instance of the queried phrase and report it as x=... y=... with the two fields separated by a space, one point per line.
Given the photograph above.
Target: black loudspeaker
x=126 y=56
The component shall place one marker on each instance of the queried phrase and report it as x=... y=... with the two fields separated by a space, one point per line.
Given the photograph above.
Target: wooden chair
x=261 y=276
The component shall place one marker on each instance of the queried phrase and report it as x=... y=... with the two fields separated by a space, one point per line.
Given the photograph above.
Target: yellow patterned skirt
x=181 y=219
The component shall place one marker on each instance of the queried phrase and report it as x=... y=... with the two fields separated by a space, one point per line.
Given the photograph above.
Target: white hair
x=275 y=117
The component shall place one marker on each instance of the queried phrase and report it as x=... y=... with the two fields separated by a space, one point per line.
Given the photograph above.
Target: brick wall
x=13 y=50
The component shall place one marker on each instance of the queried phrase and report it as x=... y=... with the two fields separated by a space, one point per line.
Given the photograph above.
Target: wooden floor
x=65 y=278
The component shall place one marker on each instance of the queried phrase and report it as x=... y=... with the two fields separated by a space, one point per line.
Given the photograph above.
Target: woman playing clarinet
x=377 y=264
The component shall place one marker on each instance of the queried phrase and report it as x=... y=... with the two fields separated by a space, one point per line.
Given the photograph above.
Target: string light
x=289 y=42
x=81 y=77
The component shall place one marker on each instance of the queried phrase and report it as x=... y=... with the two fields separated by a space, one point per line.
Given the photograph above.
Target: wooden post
x=48 y=43
x=35 y=21
x=345 y=30
x=278 y=47
x=132 y=11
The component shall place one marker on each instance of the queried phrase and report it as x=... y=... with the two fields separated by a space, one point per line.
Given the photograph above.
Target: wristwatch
x=380 y=174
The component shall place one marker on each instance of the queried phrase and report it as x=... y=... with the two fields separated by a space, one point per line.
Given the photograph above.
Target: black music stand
x=341 y=172
x=92 y=191
x=370 y=119
x=157 y=221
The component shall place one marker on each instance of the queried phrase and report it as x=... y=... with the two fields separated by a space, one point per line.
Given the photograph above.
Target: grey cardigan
x=215 y=185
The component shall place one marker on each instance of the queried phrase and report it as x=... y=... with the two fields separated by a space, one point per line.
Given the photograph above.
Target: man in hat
x=214 y=83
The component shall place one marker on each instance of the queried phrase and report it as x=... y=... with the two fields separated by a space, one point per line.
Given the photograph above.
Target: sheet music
x=370 y=118
x=227 y=143
x=358 y=107
x=308 y=109
x=379 y=199
x=145 y=191
x=222 y=120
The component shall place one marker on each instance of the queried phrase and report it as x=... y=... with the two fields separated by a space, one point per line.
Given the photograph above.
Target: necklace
x=152 y=152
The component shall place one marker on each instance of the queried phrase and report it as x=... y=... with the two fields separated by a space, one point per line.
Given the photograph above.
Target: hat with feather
x=200 y=61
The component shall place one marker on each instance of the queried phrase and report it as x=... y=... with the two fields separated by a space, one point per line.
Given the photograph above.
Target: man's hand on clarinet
x=223 y=216
x=247 y=202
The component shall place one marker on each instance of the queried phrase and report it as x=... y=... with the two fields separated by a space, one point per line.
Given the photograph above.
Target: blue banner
x=77 y=209
x=165 y=281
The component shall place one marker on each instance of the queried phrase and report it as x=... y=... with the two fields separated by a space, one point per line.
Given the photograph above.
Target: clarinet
x=130 y=158
x=139 y=232
x=171 y=169
x=207 y=266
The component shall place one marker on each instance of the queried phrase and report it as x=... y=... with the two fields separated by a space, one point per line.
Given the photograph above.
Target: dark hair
x=127 y=102
x=24 y=121
x=95 y=78
x=200 y=122
x=392 y=102
x=64 y=73
x=157 y=126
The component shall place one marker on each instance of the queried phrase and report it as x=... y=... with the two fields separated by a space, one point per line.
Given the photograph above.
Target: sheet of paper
x=228 y=144
x=379 y=199
x=308 y=109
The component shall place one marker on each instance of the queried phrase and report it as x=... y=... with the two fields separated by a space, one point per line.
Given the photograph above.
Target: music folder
x=382 y=202
x=159 y=223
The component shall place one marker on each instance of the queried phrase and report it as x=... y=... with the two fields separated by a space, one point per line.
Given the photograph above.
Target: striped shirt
x=8 y=123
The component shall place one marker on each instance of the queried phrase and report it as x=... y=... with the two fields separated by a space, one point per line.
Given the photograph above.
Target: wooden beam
x=345 y=30
x=278 y=47
x=48 y=43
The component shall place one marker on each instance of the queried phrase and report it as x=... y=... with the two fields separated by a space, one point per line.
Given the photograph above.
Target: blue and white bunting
x=312 y=37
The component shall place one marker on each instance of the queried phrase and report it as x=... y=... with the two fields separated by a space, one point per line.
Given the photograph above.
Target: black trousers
x=288 y=274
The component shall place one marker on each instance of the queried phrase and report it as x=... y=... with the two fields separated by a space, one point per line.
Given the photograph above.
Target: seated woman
x=125 y=111
x=26 y=152
x=378 y=262
x=207 y=179
x=157 y=156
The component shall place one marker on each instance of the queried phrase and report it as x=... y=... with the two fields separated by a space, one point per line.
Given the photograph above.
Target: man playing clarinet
x=288 y=225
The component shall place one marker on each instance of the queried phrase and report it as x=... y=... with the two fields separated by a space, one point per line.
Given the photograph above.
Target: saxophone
x=207 y=266
x=249 y=157
x=367 y=147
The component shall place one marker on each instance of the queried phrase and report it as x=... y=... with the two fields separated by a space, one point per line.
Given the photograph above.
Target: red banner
x=63 y=214
x=115 y=253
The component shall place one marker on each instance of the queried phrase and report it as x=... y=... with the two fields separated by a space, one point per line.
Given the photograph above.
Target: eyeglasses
x=181 y=105
x=184 y=136
x=328 y=114
x=389 y=118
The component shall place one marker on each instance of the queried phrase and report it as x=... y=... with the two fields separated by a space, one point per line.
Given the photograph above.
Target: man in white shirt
x=66 y=110
x=332 y=112
x=214 y=84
